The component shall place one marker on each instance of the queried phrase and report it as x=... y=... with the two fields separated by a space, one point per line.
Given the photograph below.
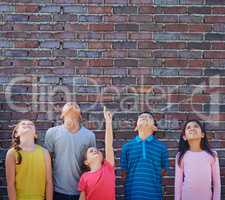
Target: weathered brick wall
x=167 y=56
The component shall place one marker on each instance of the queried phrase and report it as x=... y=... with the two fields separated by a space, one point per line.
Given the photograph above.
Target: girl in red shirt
x=99 y=182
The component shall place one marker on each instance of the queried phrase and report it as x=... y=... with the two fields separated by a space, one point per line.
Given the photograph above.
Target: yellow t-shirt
x=31 y=175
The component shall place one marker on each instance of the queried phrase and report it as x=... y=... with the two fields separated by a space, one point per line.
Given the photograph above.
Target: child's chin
x=193 y=138
x=97 y=157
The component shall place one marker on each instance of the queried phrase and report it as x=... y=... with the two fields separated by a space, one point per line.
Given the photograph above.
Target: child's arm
x=165 y=162
x=82 y=196
x=10 y=166
x=216 y=179
x=109 y=137
x=178 y=179
x=49 y=185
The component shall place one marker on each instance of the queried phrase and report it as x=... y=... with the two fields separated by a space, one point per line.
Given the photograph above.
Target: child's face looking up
x=71 y=111
x=145 y=120
x=93 y=155
x=26 y=128
x=193 y=131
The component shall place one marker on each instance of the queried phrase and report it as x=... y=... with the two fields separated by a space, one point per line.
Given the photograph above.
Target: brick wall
x=167 y=56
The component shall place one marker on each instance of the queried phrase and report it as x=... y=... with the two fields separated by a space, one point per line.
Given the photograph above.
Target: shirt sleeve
x=216 y=178
x=108 y=165
x=123 y=159
x=82 y=184
x=165 y=160
x=49 y=142
x=179 y=173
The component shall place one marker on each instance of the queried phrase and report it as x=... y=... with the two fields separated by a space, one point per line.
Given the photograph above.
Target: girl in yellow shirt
x=28 y=166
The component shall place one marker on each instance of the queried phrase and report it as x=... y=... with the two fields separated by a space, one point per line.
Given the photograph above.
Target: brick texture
x=166 y=56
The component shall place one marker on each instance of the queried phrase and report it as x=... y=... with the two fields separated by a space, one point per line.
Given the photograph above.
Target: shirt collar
x=149 y=138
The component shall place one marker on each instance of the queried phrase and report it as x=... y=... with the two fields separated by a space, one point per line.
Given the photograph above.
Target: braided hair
x=16 y=143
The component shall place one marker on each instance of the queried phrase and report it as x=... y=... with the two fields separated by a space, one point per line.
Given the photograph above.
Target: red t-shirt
x=99 y=185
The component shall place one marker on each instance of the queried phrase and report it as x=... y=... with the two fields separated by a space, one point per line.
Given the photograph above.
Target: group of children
x=144 y=160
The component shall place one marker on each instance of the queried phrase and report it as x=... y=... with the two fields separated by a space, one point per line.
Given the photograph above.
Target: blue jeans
x=60 y=196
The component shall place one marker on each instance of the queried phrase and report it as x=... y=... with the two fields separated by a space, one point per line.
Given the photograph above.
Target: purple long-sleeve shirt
x=194 y=179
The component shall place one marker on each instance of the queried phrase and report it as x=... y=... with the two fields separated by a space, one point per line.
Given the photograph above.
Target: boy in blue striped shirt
x=143 y=161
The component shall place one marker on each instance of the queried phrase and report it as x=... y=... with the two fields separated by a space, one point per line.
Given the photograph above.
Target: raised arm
x=109 y=137
x=10 y=166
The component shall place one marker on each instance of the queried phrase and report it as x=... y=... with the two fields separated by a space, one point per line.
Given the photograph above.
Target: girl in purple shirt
x=197 y=175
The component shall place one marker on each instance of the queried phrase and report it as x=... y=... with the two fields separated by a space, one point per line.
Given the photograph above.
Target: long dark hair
x=184 y=146
x=16 y=142
x=84 y=167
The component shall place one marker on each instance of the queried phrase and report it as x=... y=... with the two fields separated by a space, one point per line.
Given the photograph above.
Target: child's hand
x=107 y=115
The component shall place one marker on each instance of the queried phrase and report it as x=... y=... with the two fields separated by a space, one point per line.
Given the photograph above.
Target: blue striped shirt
x=143 y=161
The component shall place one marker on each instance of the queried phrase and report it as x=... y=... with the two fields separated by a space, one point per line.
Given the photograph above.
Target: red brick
x=218 y=46
x=141 y=89
x=139 y=54
x=27 y=44
x=140 y=71
x=40 y=18
x=27 y=8
x=141 y=2
x=100 y=45
x=199 y=10
x=99 y=80
x=100 y=9
x=147 y=45
x=101 y=63
x=218 y=10
x=214 y=54
x=199 y=28
x=75 y=62
x=116 y=18
x=101 y=27
x=176 y=27
x=196 y=63
x=171 y=10
x=151 y=27
x=26 y=27
x=65 y=1
x=22 y=62
x=140 y=36
x=176 y=63
x=166 y=18
x=117 y=53
x=73 y=27
x=141 y=18
x=214 y=19
x=147 y=9
x=172 y=45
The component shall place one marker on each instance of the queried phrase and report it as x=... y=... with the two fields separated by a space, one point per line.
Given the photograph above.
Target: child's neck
x=72 y=127
x=195 y=145
x=27 y=144
x=95 y=166
x=144 y=133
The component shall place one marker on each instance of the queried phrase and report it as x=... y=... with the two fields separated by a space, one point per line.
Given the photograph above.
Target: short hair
x=147 y=112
